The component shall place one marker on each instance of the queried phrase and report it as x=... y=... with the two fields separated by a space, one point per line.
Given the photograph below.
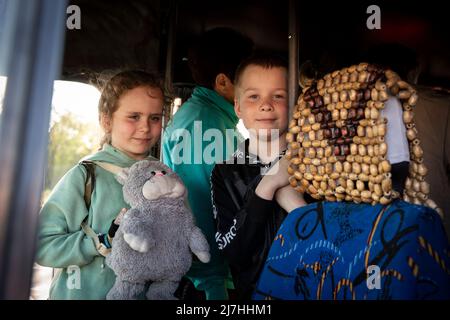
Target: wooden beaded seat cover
x=337 y=146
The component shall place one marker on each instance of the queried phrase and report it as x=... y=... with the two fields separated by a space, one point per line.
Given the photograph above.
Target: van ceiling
x=118 y=34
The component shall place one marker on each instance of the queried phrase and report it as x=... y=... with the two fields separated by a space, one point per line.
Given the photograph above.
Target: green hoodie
x=62 y=244
x=204 y=110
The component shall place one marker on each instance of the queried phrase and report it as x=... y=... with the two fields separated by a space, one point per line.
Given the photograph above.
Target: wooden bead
x=412 y=101
x=362 y=150
x=293 y=181
x=304 y=182
x=422 y=169
x=404 y=94
x=295 y=130
x=353 y=149
x=374 y=113
x=312 y=190
x=294 y=145
x=298 y=175
x=356 y=168
x=332 y=184
x=363 y=177
x=362 y=77
x=373 y=170
x=382 y=96
x=365 y=142
x=407 y=107
x=380 y=85
x=424 y=187
x=386 y=185
x=374 y=94
x=360 y=131
x=430 y=203
x=384 y=166
x=347 y=167
x=382 y=149
x=417 y=151
x=365 y=168
x=385 y=200
x=391 y=74
x=370 y=152
x=391 y=82
x=357 y=140
x=403 y=84
x=416 y=185
x=308 y=176
x=340 y=190
x=408 y=116
x=377 y=189
x=411 y=134
x=321 y=170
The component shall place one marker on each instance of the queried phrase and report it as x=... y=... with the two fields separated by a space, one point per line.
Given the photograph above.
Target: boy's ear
x=224 y=87
x=221 y=81
x=237 y=107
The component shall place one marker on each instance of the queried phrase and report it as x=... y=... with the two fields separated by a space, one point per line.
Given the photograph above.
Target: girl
x=130 y=113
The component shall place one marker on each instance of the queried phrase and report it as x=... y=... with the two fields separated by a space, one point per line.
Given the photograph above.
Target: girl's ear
x=105 y=122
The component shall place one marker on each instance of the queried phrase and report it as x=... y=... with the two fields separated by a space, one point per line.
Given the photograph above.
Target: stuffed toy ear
x=122 y=175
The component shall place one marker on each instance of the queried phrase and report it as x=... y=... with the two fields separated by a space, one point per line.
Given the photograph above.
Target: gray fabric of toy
x=156 y=236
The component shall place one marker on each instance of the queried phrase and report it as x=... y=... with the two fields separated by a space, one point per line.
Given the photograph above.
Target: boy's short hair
x=219 y=50
x=265 y=60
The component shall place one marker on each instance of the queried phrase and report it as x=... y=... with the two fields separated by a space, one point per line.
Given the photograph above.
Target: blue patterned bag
x=338 y=250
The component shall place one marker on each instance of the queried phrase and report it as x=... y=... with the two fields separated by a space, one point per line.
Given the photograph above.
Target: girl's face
x=136 y=124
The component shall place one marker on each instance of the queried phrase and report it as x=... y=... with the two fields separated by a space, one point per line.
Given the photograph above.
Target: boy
x=244 y=187
x=213 y=61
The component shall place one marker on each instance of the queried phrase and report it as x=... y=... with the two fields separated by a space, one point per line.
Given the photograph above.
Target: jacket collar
x=112 y=155
x=243 y=155
x=211 y=98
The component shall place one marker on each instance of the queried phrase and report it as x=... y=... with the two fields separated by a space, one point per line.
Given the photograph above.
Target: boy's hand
x=115 y=224
x=120 y=216
x=277 y=177
x=289 y=199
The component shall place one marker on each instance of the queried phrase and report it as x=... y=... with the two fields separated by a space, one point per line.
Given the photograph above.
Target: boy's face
x=261 y=100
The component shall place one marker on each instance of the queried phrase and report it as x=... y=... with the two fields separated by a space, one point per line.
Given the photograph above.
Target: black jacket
x=246 y=223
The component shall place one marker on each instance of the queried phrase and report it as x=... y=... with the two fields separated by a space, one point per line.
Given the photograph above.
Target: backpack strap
x=88 y=190
x=89 y=182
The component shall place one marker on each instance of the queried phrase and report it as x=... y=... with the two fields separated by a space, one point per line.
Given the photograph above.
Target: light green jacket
x=62 y=244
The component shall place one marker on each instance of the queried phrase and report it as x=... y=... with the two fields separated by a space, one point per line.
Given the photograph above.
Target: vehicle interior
x=37 y=47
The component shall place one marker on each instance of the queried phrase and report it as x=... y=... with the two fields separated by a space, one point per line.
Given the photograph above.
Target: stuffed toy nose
x=158 y=173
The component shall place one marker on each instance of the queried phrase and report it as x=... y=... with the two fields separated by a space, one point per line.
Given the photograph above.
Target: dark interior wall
x=335 y=34
x=264 y=21
x=114 y=34
x=118 y=33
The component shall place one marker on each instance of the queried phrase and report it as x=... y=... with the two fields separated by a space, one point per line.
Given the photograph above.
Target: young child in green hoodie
x=130 y=113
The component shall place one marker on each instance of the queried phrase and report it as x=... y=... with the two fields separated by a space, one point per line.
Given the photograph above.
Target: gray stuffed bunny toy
x=156 y=236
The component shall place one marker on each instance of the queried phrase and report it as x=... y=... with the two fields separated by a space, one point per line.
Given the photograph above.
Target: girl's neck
x=267 y=150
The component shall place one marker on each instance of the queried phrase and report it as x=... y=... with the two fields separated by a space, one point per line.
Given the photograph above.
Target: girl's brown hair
x=118 y=85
